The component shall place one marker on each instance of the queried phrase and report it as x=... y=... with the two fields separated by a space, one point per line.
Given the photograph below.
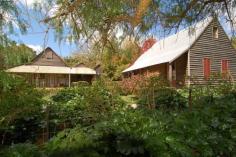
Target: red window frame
x=206 y=68
x=224 y=66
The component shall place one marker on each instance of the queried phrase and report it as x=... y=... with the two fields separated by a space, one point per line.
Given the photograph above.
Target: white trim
x=188 y=69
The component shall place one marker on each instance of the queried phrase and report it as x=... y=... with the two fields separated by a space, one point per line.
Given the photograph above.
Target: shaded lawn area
x=130 y=99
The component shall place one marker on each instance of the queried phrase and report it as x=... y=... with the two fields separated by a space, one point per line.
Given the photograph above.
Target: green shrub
x=103 y=139
x=16 y=95
x=21 y=150
x=66 y=94
x=206 y=130
x=216 y=86
x=98 y=124
x=85 y=104
x=157 y=93
x=80 y=83
x=169 y=98
x=72 y=143
x=19 y=104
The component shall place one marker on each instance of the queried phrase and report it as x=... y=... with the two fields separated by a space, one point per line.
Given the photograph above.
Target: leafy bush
x=19 y=104
x=169 y=98
x=206 y=130
x=104 y=139
x=71 y=142
x=66 y=94
x=135 y=83
x=85 y=104
x=132 y=84
x=15 y=94
x=97 y=125
x=157 y=93
x=21 y=150
x=214 y=88
x=80 y=83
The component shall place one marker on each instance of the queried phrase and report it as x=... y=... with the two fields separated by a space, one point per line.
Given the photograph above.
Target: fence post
x=190 y=98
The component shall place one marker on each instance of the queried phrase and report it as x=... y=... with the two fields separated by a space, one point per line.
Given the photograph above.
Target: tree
x=100 y=20
x=113 y=58
x=17 y=100
x=13 y=54
x=185 y=12
x=10 y=19
x=92 y=20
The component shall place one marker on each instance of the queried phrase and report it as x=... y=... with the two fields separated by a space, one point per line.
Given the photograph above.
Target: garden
x=115 y=117
x=100 y=120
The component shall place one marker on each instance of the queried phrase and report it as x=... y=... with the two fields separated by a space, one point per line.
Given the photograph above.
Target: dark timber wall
x=215 y=49
x=181 y=65
x=47 y=80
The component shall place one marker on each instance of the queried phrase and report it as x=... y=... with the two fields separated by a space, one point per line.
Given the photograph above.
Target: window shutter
x=224 y=66
x=207 y=68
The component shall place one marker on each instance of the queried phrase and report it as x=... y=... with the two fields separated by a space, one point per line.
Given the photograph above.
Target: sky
x=37 y=39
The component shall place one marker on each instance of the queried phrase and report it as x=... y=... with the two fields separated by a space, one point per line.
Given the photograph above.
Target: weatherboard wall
x=48 y=58
x=216 y=49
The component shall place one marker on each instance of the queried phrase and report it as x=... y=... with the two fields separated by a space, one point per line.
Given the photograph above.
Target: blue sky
x=37 y=39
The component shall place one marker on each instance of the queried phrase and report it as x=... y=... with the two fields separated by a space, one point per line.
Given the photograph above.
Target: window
x=224 y=66
x=206 y=67
x=215 y=32
x=49 y=56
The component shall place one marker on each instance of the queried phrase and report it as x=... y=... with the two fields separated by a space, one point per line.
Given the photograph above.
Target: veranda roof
x=51 y=70
x=170 y=48
x=82 y=70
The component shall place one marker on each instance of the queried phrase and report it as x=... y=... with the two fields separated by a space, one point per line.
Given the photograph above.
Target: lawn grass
x=130 y=99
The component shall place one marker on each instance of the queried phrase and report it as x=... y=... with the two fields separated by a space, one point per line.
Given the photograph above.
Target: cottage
x=49 y=70
x=195 y=52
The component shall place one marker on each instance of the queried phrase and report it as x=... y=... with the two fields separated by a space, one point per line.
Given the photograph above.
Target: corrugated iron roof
x=170 y=48
x=51 y=70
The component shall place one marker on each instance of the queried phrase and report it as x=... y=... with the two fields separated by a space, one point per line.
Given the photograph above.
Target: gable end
x=48 y=58
x=216 y=49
